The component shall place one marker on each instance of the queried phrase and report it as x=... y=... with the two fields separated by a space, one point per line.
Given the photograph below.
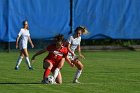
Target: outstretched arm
x=68 y=46
x=38 y=53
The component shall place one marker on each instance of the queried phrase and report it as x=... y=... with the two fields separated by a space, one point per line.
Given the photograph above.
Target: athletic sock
x=19 y=61
x=46 y=73
x=77 y=75
x=56 y=73
x=28 y=62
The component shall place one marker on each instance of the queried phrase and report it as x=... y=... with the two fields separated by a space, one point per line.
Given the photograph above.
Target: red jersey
x=54 y=54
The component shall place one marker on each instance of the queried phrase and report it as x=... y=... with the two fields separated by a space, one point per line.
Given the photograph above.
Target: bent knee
x=80 y=66
x=47 y=65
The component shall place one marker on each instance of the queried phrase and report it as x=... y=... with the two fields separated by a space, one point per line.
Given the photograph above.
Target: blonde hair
x=83 y=29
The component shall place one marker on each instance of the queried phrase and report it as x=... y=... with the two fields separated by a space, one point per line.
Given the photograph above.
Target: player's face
x=26 y=25
x=78 y=33
x=59 y=44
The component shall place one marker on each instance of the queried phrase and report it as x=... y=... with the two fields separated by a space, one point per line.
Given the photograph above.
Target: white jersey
x=74 y=43
x=24 y=34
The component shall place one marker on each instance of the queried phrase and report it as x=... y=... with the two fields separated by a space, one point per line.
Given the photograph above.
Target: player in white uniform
x=73 y=44
x=23 y=36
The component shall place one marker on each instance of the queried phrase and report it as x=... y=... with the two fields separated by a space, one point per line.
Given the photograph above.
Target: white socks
x=56 y=73
x=77 y=75
x=19 y=61
x=28 y=61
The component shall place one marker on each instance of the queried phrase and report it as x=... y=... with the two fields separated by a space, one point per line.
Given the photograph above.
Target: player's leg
x=27 y=58
x=59 y=66
x=47 y=66
x=79 y=66
x=19 y=60
x=59 y=78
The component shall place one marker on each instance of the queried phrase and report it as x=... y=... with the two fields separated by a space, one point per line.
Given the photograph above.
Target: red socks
x=46 y=73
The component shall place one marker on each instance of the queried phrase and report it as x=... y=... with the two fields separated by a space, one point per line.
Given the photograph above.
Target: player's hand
x=72 y=65
x=82 y=56
x=16 y=46
x=32 y=46
x=73 y=54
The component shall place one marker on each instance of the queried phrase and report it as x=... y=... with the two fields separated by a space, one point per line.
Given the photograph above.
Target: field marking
x=12 y=83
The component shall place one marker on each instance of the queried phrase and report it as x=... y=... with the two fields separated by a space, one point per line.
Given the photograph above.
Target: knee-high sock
x=28 y=61
x=19 y=61
x=46 y=73
x=56 y=73
x=77 y=74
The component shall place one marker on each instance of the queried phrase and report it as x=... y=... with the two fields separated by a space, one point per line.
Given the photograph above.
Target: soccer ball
x=50 y=80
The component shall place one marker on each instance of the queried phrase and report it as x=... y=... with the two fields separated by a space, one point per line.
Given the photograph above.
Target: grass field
x=104 y=72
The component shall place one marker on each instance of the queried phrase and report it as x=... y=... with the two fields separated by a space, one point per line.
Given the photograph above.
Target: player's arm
x=31 y=42
x=69 y=50
x=17 y=41
x=18 y=37
x=79 y=51
x=38 y=53
x=69 y=61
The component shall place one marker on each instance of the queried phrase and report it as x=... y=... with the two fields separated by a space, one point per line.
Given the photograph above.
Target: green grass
x=104 y=72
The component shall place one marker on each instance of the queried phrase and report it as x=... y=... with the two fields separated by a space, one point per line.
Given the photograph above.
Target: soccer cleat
x=76 y=81
x=43 y=82
x=16 y=68
x=46 y=82
x=30 y=68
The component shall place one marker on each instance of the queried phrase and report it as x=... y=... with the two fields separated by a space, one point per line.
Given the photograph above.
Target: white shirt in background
x=74 y=43
x=23 y=34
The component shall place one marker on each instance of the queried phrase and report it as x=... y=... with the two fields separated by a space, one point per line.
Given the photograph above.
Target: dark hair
x=78 y=28
x=24 y=22
x=59 y=38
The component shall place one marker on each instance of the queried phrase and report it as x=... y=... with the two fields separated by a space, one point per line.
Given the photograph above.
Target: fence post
x=71 y=16
x=8 y=47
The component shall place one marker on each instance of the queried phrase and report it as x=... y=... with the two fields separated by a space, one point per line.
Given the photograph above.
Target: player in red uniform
x=57 y=54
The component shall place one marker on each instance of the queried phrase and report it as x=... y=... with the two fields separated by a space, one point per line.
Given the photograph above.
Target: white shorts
x=22 y=46
x=72 y=57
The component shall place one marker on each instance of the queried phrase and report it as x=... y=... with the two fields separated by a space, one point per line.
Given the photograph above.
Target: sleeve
x=65 y=51
x=69 y=40
x=79 y=40
x=20 y=33
x=28 y=33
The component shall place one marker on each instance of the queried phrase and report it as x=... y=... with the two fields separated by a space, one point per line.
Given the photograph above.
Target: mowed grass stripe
x=104 y=72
